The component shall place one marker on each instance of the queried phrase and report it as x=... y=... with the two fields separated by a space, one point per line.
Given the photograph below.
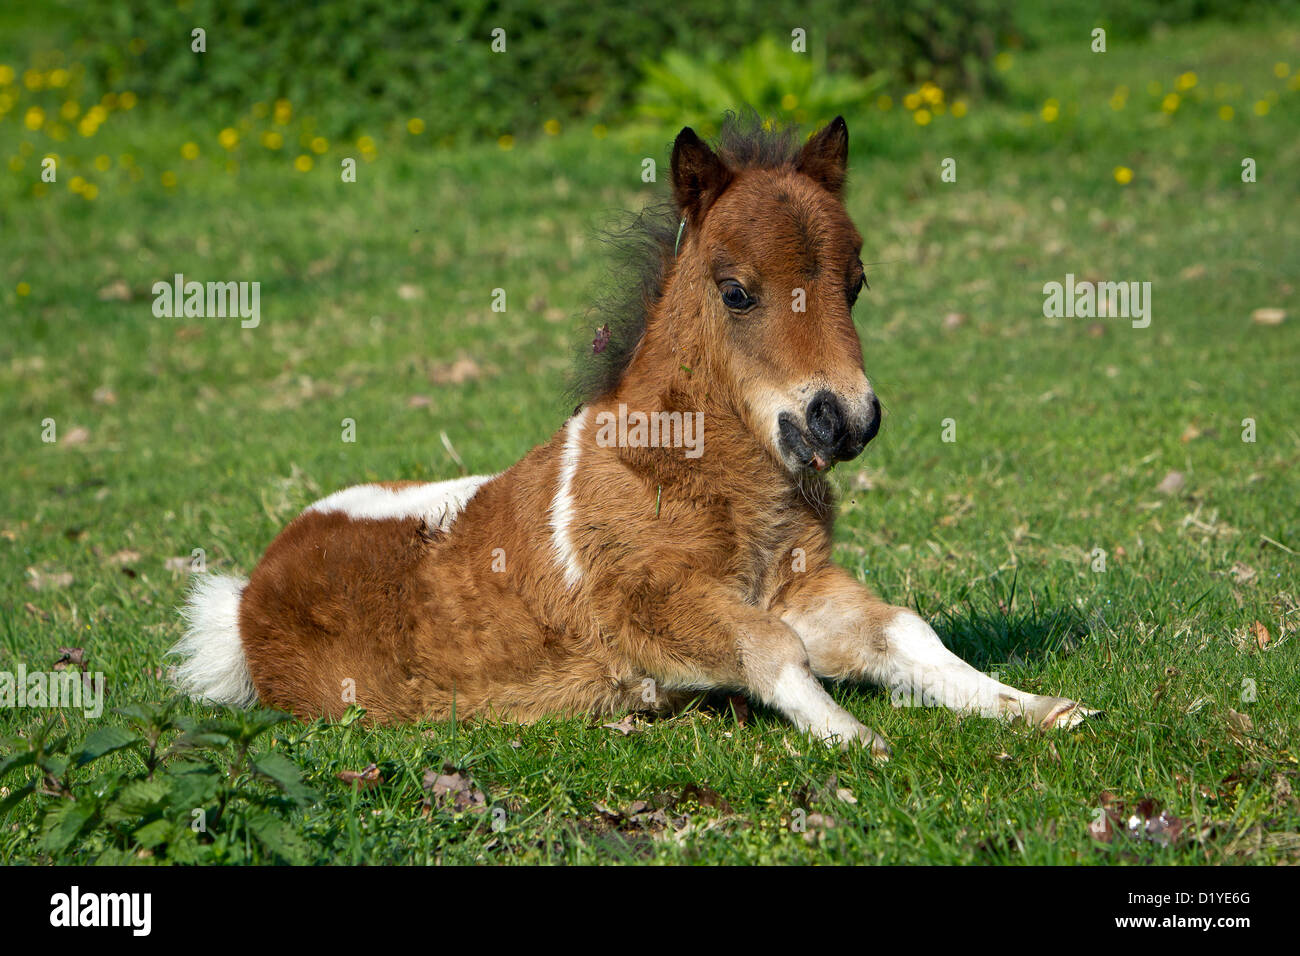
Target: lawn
x=1099 y=527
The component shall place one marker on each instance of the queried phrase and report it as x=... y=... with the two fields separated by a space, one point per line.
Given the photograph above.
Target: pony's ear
x=699 y=176
x=825 y=157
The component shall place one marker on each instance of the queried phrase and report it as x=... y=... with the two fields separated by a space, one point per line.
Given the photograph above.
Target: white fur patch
x=437 y=502
x=562 y=504
x=213 y=668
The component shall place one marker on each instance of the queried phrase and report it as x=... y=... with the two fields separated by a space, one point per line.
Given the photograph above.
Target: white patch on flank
x=926 y=672
x=437 y=502
x=213 y=669
x=562 y=504
x=800 y=696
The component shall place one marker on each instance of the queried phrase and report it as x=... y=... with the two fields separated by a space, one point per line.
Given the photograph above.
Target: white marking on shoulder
x=562 y=504
x=437 y=502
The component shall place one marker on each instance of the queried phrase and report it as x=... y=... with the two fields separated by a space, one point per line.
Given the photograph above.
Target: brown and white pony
x=673 y=537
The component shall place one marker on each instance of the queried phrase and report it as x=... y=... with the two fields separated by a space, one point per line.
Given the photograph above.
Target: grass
x=201 y=435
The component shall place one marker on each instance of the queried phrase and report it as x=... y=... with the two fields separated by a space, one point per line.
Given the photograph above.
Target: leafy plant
x=767 y=75
x=202 y=791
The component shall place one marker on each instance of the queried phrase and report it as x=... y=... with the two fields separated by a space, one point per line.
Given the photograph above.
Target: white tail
x=213 y=668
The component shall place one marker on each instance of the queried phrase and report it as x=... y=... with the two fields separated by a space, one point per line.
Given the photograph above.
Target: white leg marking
x=562 y=504
x=921 y=670
x=800 y=697
x=438 y=502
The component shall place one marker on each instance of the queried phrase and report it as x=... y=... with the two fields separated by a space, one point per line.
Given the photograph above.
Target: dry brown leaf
x=48 y=580
x=362 y=779
x=624 y=726
x=1262 y=636
x=1268 y=316
x=1172 y=483
x=1240 y=722
x=455 y=373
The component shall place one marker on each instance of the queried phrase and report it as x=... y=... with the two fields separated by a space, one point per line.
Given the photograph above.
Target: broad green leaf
x=285 y=773
x=103 y=741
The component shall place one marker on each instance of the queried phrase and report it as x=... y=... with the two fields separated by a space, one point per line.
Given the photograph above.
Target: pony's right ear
x=699 y=176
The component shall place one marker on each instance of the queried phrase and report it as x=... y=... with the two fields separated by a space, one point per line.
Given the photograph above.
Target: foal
x=610 y=570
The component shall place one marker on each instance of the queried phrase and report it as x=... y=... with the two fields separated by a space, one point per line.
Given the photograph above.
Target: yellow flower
x=1294 y=82
x=1117 y=102
x=1051 y=110
x=87 y=126
x=102 y=163
x=97 y=113
x=506 y=141
x=6 y=74
x=931 y=93
x=789 y=102
x=1170 y=103
x=366 y=144
x=127 y=100
x=35 y=118
x=169 y=179
x=922 y=117
x=599 y=131
x=69 y=111
x=958 y=108
x=319 y=144
x=1003 y=61
x=1123 y=175
x=228 y=138
x=90 y=192
x=190 y=151
x=1280 y=70
x=415 y=126
x=912 y=100
x=1261 y=107
x=1186 y=81
x=272 y=140
x=77 y=184
x=58 y=77
x=23 y=289
x=283 y=112
x=1225 y=112
x=884 y=103
x=303 y=163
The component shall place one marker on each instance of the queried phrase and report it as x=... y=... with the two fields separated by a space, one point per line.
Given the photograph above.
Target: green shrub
x=353 y=65
x=199 y=793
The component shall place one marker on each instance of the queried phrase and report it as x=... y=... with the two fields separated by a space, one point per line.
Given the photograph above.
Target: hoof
x=1061 y=713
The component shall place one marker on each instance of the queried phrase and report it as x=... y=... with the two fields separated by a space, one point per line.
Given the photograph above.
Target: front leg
x=700 y=637
x=852 y=635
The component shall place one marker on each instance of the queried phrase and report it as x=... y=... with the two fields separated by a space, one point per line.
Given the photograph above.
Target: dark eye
x=856 y=289
x=735 y=297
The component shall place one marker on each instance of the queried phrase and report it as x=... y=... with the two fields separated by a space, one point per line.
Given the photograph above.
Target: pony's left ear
x=699 y=175
x=825 y=157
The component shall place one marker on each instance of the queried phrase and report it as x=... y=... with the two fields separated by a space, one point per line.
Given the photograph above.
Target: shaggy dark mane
x=641 y=250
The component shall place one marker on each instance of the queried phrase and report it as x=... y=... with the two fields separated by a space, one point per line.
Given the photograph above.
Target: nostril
x=825 y=422
x=873 y=426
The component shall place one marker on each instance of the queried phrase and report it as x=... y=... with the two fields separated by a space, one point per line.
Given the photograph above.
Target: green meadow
x=1089 y=508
